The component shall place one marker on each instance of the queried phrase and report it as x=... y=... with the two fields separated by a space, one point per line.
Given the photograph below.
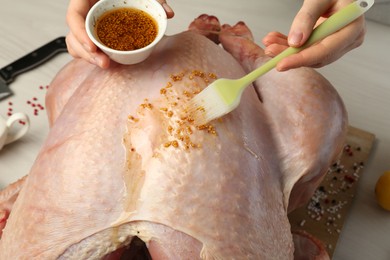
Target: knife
x=28 y=62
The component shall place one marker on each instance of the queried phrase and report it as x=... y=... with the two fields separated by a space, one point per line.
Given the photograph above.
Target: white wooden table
x=362 y=78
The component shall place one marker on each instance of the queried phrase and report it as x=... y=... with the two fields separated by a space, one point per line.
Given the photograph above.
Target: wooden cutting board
x=327 y=210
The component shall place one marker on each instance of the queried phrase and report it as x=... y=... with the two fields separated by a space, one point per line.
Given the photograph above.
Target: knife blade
x=28 y=62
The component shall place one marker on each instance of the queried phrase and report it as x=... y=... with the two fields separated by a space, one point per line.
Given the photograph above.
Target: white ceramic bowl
x=152 y=7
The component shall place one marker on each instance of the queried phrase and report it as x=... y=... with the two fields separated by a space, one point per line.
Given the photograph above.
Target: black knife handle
x=33 y=59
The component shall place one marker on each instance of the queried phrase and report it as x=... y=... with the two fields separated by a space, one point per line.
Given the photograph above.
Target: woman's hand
x=328 y=50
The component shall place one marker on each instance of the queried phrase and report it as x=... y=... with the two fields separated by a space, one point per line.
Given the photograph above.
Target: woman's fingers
x=322 y=53
x=78 y=50
x=78 y=43
x=304 y=21
x=274 y=38
x=75 y=18
x=328 y=50
x=167 y=8
x=78 y=32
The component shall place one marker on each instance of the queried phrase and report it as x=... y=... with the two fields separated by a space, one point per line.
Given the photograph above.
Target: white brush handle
x=331 y=25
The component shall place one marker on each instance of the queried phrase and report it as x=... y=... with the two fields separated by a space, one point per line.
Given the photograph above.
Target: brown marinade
x=126 y=29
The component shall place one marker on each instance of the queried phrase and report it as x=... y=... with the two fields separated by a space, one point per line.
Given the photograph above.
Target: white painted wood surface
x=362 y=78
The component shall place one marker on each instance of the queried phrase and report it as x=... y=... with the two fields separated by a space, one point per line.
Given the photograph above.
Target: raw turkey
x=123 y=161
